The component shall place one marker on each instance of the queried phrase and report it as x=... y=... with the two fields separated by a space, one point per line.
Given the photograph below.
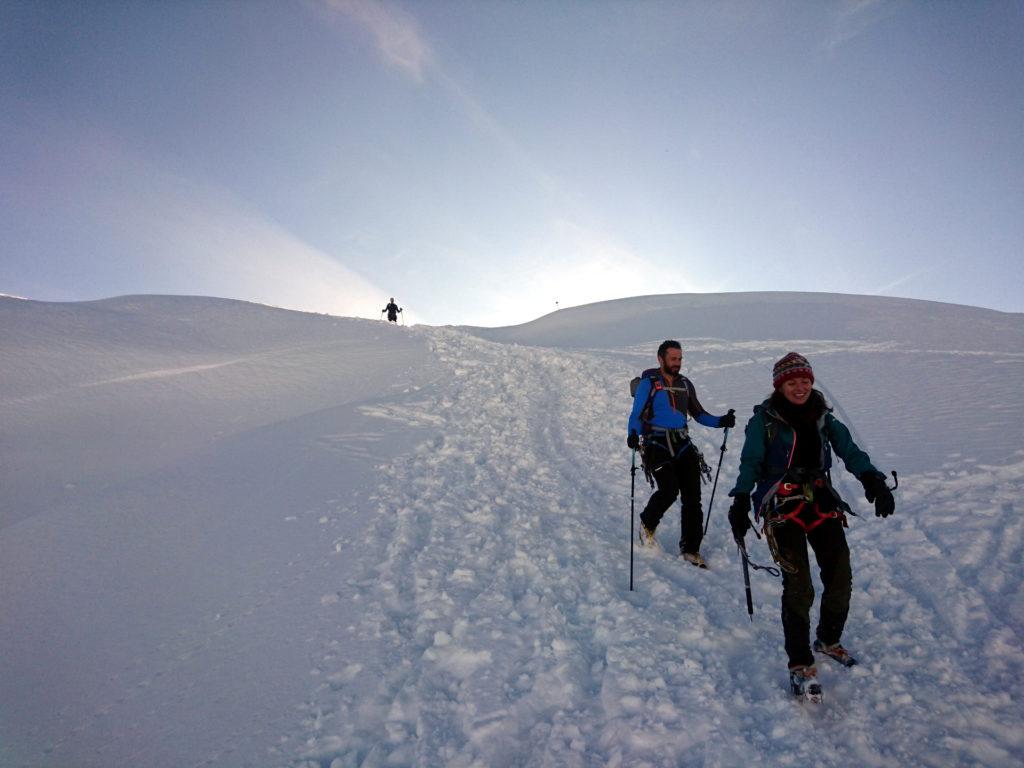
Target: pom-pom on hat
x=792 y=366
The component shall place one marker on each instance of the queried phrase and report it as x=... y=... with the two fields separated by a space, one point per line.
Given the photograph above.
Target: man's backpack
x=656 y=385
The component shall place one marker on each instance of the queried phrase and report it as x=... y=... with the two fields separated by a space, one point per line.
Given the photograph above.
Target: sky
x=489 y=162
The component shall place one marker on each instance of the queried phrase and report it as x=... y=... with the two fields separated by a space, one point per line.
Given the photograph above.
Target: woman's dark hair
x=668 y=344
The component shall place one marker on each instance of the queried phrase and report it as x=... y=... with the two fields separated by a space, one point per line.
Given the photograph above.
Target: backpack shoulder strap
x=653 y=374
x=771 y=426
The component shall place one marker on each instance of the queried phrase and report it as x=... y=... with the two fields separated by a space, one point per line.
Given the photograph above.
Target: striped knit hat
x=792 y=366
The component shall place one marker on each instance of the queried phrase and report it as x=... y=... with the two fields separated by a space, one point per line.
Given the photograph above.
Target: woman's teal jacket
x=769 y=446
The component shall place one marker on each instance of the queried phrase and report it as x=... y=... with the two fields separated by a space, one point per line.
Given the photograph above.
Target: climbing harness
x=804 y=498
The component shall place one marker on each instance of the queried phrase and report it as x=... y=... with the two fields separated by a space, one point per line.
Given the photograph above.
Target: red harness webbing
x=786 y=491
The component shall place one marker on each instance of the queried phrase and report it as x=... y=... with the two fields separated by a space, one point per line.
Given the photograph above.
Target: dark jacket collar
x=778 y=408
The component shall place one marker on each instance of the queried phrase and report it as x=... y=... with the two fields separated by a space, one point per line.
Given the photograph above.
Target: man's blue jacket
x=674 y=398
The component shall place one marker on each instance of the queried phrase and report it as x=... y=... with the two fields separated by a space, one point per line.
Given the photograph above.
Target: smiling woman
x=785 y=477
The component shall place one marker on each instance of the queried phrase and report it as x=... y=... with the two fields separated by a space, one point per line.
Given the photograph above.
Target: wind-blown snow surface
x=233 y=535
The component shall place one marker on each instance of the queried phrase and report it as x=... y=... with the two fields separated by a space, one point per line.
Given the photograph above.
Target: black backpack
x=657 y=385
x=646 y=412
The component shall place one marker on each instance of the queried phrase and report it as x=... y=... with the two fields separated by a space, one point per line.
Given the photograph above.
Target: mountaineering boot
x=835 y=651
x=647 y=535
x=694 y=558
x=803 y=682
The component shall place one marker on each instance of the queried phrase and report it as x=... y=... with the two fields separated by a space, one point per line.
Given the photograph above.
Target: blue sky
x=481 y=161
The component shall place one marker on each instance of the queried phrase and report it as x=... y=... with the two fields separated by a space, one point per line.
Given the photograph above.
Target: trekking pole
x=746 y=579
x=721 y=455
x=632 y=497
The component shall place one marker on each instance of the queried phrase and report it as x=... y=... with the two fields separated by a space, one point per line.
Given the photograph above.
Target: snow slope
x=233 y=536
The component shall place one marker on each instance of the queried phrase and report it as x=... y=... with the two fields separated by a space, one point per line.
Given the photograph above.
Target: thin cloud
x=227 y=248
x=396 y=32
x=854 y=18
x=404 y=46
x=891 y=286
x=165 y=233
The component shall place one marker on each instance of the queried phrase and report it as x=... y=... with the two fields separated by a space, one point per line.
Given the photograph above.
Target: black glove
x=738 y=515
x=633 y=440
x=878 y=493
x=729 y=420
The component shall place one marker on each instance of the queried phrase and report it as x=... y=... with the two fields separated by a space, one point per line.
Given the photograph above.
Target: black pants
x=833 y=555
x=676 y=476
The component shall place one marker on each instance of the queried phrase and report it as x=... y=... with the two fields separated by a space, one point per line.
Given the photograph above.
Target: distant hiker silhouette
x=392 y=309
